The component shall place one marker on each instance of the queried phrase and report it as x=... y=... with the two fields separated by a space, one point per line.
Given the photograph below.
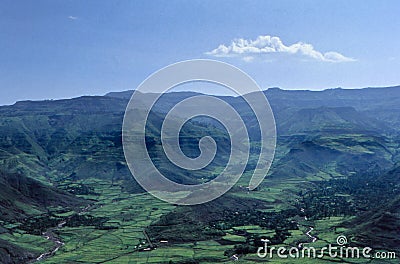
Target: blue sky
x=62 y=49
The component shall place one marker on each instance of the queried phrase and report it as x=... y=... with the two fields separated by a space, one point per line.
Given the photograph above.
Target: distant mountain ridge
x=373 y=104
x=336 y=93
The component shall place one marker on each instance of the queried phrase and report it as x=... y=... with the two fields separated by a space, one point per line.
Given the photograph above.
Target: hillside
x=58 y=156
x=22 y=197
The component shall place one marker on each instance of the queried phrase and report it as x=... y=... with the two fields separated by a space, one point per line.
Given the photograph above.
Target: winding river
x=51 y=236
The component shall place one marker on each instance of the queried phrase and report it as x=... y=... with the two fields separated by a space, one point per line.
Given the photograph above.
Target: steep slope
x=12 y=254
x=81 y=138
x=330 y=120
x=380 y=228
x=22 y=197
x=379 y=103
x=319 y=156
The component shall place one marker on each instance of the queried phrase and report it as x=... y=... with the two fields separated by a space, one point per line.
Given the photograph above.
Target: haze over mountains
x=50 y=151
x=302 y=109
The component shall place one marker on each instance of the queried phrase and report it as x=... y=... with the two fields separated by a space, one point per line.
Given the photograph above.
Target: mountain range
x=52 y=151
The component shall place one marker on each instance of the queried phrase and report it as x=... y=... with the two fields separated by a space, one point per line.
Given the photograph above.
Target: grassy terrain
x=63 y=172
x=127 y=216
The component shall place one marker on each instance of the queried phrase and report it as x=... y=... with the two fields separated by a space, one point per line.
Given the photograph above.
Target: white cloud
x=248 y=49
x=73 y=17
